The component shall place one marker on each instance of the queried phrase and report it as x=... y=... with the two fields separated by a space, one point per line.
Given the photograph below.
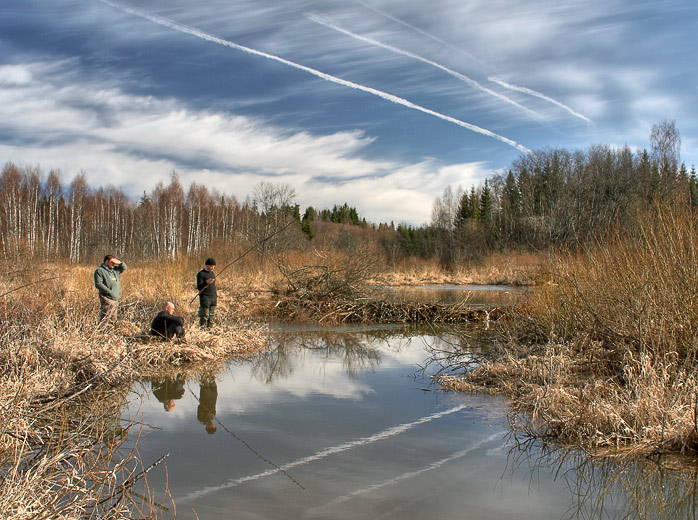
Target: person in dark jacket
x=208 y=395
x=206 y=285
x=107 y=283
x=166 y=325
x=168 y=389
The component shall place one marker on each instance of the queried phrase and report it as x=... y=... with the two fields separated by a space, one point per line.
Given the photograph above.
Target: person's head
x=169 y=405
x=168 y=308
x=110 y=261
x=210 y=427
x=210 y=264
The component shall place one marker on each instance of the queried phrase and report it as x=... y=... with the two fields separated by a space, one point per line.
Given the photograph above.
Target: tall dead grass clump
x=64 y=380
x=510 y=268
x=604 y=353
x=61 y=429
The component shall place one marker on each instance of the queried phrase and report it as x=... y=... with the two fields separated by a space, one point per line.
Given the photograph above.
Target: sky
x=381 y=104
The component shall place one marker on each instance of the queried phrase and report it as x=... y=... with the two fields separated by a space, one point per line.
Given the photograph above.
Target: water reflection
x=208 y=395
x=358 y=351
x=609 y=487
x=168 y=389
x=336 y=424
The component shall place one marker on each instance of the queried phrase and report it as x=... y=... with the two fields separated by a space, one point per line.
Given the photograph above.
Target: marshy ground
x=599 y=355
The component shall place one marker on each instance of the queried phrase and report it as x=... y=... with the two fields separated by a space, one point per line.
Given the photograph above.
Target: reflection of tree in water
x=358 y=350
x=457 y=347
x=607 y=487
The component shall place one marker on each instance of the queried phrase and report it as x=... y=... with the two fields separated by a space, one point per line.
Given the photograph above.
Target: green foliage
x=307 y=227
x=485 y=214
x=464 y=211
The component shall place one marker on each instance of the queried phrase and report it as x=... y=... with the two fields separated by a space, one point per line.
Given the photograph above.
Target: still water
x=474 y=295
x=344 y=424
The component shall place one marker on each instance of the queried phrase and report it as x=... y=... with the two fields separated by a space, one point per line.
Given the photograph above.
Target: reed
x=603 y=354
x=500 y=268
x=64 y=380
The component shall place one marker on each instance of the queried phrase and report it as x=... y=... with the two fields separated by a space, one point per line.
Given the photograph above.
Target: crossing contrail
x=327 y=23
x=539 y=95
x=422 y=32
x=411 y=474
x=333 y=79
x=385 y=434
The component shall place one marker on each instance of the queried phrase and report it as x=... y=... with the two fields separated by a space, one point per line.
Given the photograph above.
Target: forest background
x=546 y=199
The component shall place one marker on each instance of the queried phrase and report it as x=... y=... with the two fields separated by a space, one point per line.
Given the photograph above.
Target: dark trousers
x=206 y=315
x=174 y=331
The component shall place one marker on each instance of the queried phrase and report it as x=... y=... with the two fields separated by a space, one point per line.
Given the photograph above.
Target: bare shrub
x=603 y=354
x=335 y=275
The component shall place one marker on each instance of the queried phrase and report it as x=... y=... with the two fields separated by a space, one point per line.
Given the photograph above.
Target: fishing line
x=247 y=445
x=216 y=276
x=382 y=435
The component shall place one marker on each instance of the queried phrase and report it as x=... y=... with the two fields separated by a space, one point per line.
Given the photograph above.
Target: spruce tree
x=693 y=188
x=463 y=212
x=474 y=205
x=307 y=226
x=485 y=215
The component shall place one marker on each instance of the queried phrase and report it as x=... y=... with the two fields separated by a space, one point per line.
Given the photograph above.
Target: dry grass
x=514 y=268
x=604 y=354
x=64 y=380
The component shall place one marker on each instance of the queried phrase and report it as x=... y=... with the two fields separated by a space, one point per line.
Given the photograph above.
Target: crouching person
x=166 y=325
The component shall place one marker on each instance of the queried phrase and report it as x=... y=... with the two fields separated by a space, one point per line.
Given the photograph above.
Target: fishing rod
x=246 y=444
x=29 y=285
x=256 y=245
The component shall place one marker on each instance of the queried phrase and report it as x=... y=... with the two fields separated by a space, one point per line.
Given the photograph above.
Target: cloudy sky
x=377 y=103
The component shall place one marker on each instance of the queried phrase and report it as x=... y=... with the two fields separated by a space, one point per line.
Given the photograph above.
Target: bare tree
x=78 y=194
x=444 y=210
x=274 y=204
x=666 y=146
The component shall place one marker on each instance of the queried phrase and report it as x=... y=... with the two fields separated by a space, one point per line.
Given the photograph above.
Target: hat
x=210 y=261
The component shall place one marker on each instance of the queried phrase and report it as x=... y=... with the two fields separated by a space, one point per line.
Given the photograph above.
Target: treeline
x=545 y=199
x=555 y=197
x=40 y=217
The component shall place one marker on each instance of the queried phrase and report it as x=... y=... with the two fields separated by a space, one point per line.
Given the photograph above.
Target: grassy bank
x=64 y=381
x=603 y=355
x=510 y=268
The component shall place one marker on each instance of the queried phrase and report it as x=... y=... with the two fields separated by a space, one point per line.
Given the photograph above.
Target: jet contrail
x=327 y=23
x=539 y=95
x=411 y=474
x=333 y=79
x=385 y=434
x=422 y=32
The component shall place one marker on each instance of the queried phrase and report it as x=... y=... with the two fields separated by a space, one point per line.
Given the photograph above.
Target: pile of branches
x=382 y=311
x=325 y=294
x=322 y=282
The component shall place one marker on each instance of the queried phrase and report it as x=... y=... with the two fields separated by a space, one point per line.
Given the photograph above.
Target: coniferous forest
x=546 y=199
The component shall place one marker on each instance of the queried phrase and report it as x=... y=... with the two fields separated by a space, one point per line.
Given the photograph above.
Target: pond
x=475 y=295
x=344 y=423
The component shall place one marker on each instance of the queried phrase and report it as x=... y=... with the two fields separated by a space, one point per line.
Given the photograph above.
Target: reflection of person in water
x=208 y=394
x=167 y=389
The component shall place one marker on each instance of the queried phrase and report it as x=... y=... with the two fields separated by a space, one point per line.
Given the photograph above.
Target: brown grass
x=64 y=379
x=513 y=268
x=603 y=355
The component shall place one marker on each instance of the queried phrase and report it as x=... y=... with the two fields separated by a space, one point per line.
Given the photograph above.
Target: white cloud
x=14 y=75
x=134 y=142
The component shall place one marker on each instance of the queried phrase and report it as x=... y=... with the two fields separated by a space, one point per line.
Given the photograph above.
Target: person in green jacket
x=107 y=283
